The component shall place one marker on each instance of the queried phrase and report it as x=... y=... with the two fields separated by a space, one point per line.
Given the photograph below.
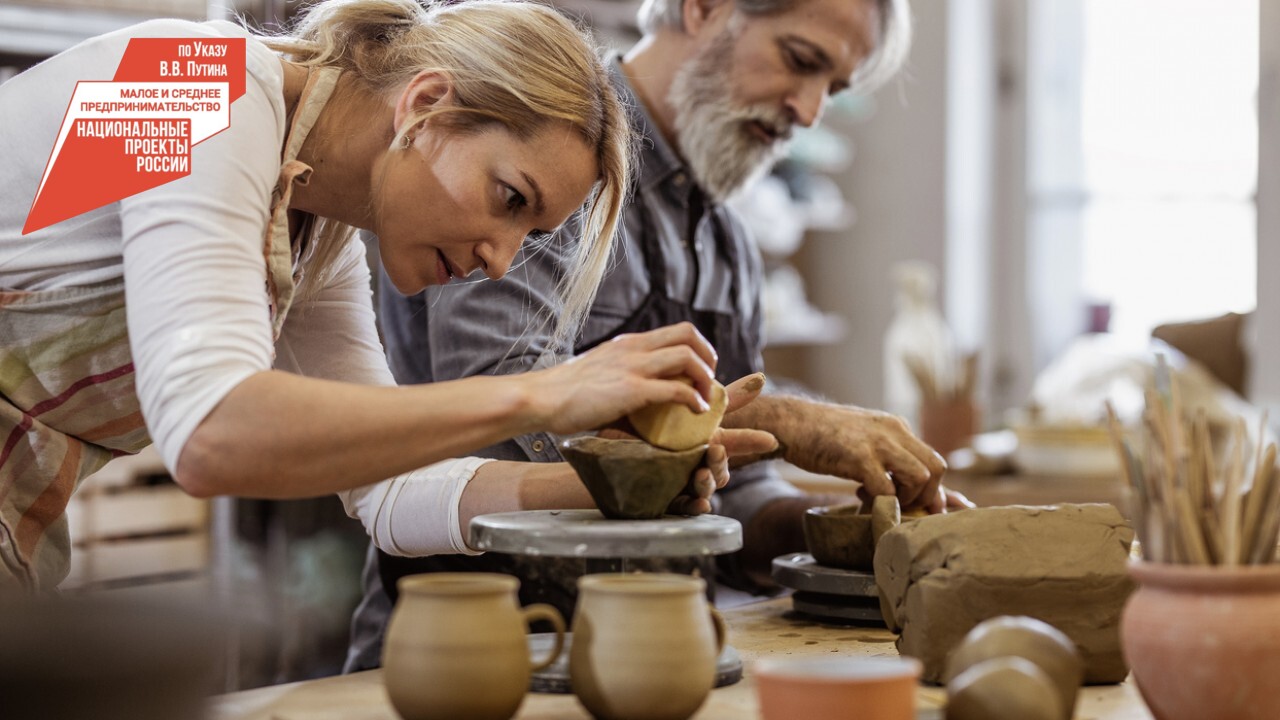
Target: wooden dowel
x=1230 y=506
x=923 y=376
x=1213 y=537
x=1258 y=495
x=1265 y=550
x=1196 y=549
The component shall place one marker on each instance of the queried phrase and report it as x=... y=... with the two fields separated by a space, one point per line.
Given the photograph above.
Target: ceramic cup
x=644 y=646
x=456 y=647
x=881 y=688
x=1204 y=641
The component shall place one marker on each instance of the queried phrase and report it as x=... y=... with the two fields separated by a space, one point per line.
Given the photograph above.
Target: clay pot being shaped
x=845 y=536
x=630 y=479
x=840 y=536
x=883 y=688
x=1204 y=641
x=456 y=647
x=1007 y=688
x=644 y=646
x=1033 y=640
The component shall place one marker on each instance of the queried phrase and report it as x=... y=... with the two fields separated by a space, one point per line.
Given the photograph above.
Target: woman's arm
x=277 y=434
x=280 y=435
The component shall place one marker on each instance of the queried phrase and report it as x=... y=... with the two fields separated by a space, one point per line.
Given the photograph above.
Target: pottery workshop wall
x=1265 y=328
x=942 y=172
x=922 y=186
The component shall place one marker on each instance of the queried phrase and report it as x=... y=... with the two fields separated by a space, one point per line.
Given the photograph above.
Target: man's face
x=755 y=77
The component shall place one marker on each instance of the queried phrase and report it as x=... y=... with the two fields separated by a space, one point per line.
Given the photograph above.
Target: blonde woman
x=226 y=316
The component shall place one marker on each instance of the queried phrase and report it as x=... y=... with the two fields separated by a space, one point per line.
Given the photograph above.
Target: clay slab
x=1066 y=565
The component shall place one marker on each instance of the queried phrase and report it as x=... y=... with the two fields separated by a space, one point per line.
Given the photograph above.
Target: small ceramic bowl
x=831 y=688
x=840 y=536
x=630 y=479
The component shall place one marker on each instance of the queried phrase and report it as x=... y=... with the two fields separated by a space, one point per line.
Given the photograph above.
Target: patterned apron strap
x=275 y=245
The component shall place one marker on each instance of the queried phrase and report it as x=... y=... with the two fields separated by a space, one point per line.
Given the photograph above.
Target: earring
x=406 y=141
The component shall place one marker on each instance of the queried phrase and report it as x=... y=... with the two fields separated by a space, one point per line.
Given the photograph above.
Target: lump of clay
x=886 y=515
x=630 y=479
x=1003 y=689
x=1032 y=640
x=941 y=575
x=674 y=426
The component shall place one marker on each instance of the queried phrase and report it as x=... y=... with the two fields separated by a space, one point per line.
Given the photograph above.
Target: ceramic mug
x=644 y=646
x=456 y=647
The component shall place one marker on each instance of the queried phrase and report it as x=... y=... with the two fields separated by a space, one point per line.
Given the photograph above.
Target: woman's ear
x=697 y=14
x=425 y=91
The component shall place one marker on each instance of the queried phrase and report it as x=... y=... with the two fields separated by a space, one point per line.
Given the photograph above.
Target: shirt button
x=538 y=445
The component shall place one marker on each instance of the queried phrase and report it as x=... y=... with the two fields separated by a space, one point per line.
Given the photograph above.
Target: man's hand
x=871 y=447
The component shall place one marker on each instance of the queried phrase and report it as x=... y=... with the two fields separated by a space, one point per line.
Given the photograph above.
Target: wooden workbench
x=759 y=630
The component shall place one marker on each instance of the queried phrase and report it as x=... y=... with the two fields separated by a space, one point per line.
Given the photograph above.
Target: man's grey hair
x=890 y=53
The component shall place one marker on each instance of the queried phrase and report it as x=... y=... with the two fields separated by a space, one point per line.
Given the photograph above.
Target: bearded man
x=715 y=87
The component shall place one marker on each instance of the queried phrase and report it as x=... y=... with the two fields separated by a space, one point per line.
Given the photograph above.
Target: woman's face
x=452 y=203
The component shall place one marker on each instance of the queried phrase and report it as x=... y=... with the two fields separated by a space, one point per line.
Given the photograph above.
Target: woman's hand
x=727 y=443
x=623 y=375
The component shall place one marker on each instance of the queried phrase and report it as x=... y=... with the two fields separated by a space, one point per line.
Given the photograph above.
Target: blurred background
x=1048 y=183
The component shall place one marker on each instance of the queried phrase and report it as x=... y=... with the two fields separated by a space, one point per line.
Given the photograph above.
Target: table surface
x=759 y=630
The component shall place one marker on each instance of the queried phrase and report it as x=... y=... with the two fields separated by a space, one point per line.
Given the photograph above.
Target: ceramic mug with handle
x=456 y=647
x=644 y=646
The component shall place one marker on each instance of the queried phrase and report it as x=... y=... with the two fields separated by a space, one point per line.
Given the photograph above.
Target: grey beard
x=711 y=130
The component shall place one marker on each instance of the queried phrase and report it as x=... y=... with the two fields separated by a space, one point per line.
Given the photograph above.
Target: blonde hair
x=893 y=41
x=518 y=65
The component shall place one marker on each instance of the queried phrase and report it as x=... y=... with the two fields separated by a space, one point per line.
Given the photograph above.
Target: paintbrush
x=923 y=376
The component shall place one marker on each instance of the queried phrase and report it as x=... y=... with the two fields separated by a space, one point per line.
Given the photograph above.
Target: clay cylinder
x=1204 y=641
x=456 y=647
x=1033 y=640
x=1008 y=688
x=644 y=646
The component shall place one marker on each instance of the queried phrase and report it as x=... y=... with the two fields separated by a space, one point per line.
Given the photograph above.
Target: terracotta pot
x=456 y=647
x=1204 y=641
x=948 y=425
x=644 y=646
x=880 y=688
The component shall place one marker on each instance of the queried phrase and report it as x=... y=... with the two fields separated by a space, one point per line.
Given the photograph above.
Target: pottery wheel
x=555 y=677
x=606 y=545
x=588 y=534
x=827 y=592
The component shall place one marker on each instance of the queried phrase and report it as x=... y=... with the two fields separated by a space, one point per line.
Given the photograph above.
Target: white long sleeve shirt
x=190 y=254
